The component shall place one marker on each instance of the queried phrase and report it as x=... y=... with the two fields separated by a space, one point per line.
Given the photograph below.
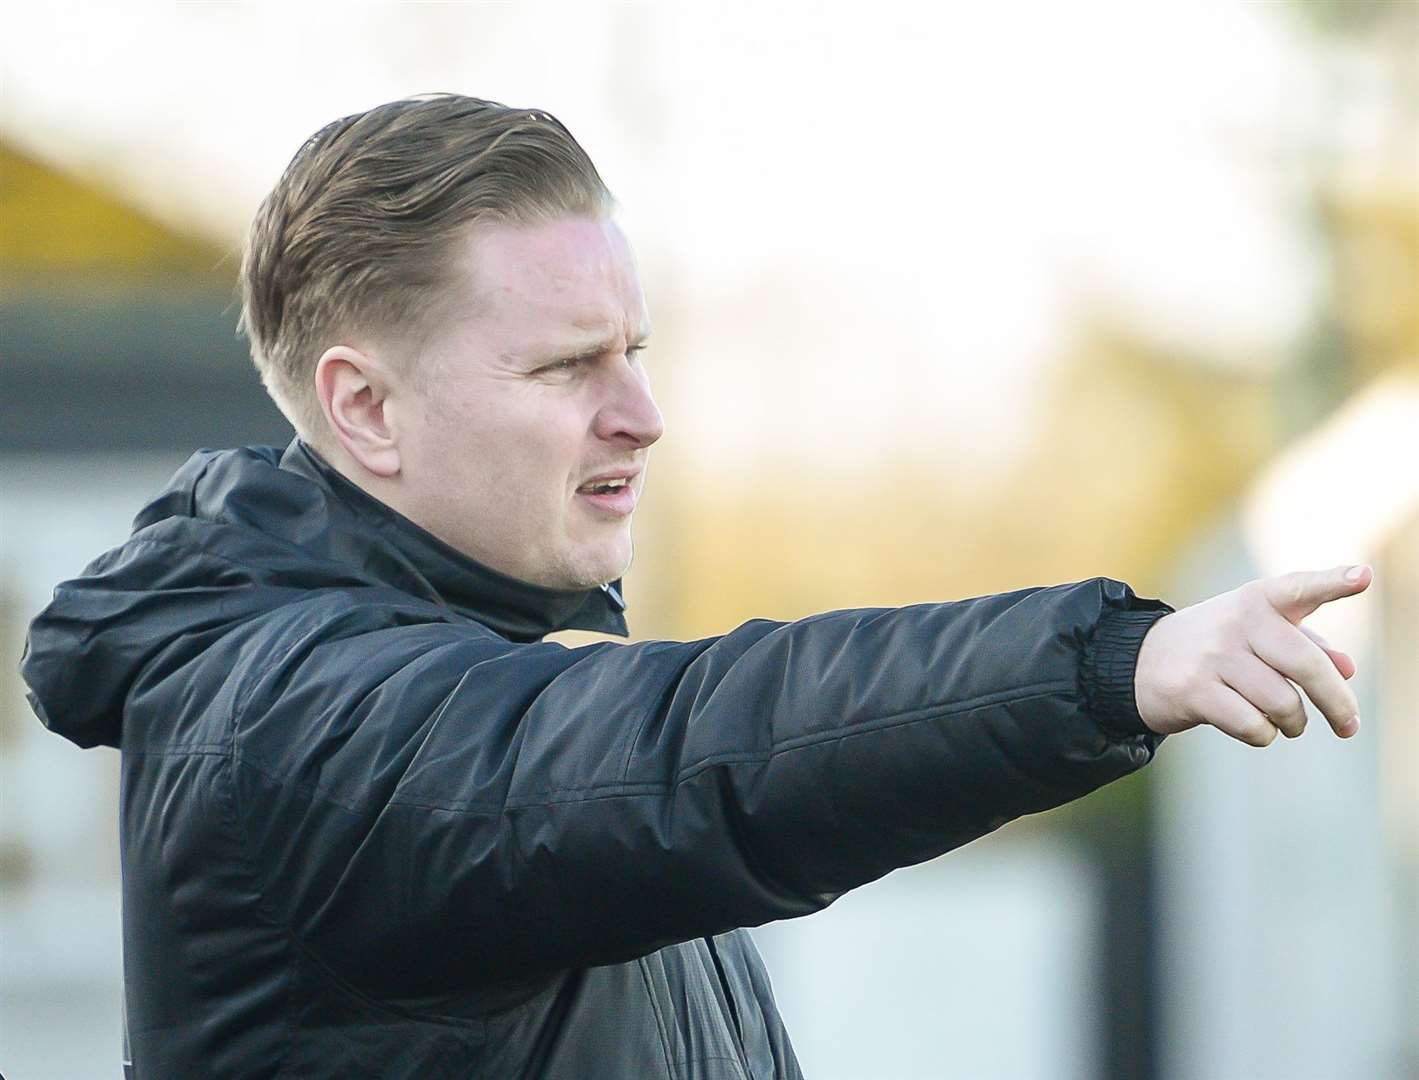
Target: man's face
x=538 y=389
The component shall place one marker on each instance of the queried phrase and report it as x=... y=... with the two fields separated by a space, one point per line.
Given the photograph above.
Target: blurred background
x=948 y=300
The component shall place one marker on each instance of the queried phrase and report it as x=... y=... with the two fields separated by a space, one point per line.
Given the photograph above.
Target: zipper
x=729 y=1000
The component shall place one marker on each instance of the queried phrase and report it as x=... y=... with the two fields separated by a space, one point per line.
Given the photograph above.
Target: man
x=373 y=825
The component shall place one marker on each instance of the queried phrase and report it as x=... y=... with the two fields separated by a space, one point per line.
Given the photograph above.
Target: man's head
x=439 y=301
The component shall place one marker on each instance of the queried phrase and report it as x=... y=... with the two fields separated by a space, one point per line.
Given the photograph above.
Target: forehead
x=570 y=276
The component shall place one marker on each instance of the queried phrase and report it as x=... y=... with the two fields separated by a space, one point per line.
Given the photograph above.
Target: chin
x=590 y=569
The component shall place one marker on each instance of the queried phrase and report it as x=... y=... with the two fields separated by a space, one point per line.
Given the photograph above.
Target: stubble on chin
x=595 y=569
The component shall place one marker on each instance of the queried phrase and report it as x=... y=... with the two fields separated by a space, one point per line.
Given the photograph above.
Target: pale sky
x=871 y=218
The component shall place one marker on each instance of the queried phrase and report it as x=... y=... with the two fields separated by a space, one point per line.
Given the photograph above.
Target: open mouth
x=607 y=488
x=616 y=497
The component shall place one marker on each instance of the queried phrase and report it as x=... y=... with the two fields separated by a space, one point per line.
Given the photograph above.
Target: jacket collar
x=424 y=564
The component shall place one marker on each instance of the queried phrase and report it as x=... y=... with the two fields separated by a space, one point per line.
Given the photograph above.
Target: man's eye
x=576 y=361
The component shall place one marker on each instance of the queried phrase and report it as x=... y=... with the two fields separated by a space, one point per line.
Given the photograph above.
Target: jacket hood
x=239 y=532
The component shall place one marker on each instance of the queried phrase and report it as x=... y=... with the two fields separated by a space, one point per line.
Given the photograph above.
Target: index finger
x=1299 y=593
x=1292 y=654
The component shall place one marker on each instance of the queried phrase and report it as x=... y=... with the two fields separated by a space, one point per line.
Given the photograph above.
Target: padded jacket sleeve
x=431 y=809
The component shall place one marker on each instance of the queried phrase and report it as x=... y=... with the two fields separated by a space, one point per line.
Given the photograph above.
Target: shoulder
x=360 y=676
x=347 y=638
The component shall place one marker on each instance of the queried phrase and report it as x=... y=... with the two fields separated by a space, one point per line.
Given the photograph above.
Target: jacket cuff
x=1108 y=665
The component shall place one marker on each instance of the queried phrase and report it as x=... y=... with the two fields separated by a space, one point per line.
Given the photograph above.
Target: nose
x=629 y=413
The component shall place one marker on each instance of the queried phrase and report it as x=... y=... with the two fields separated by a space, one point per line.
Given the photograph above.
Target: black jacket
x=373 y=826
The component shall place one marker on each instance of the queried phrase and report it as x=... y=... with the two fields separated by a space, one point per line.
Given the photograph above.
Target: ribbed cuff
x=1107 y=668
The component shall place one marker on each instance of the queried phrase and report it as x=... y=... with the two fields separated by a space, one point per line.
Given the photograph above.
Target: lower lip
x=616 y=503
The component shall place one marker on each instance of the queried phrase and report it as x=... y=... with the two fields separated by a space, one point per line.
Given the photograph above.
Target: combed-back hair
x=359 y=236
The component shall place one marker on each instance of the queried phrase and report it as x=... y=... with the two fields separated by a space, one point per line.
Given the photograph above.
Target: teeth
x=612 y=484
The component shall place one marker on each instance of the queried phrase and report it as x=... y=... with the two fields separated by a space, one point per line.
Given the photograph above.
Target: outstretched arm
x=467 y=810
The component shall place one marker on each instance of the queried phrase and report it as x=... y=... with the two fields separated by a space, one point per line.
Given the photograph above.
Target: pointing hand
x=1226 y=661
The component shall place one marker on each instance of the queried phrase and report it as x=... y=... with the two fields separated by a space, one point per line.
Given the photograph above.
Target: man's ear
x=353 y=388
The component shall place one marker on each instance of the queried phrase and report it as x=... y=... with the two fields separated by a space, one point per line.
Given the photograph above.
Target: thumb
x=1299 y=593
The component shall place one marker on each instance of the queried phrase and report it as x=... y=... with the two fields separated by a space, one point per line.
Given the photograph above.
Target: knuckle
x=1260 y=732
x=1290 y=712
x=1221 y=645
x=1184 y=678
x=1261 y=602
x=1280 y=701
x=1198 y=708
x=1249 y=597
x=1211 y=661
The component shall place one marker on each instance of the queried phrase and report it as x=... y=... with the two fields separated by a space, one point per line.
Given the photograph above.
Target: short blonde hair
x=358 y=236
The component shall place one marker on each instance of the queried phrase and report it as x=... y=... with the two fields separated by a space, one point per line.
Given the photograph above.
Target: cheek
x=527 y=444
x=540 y=452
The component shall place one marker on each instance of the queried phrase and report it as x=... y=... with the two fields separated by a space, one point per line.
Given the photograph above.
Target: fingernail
x=1350 y=726
x=1355 y=573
